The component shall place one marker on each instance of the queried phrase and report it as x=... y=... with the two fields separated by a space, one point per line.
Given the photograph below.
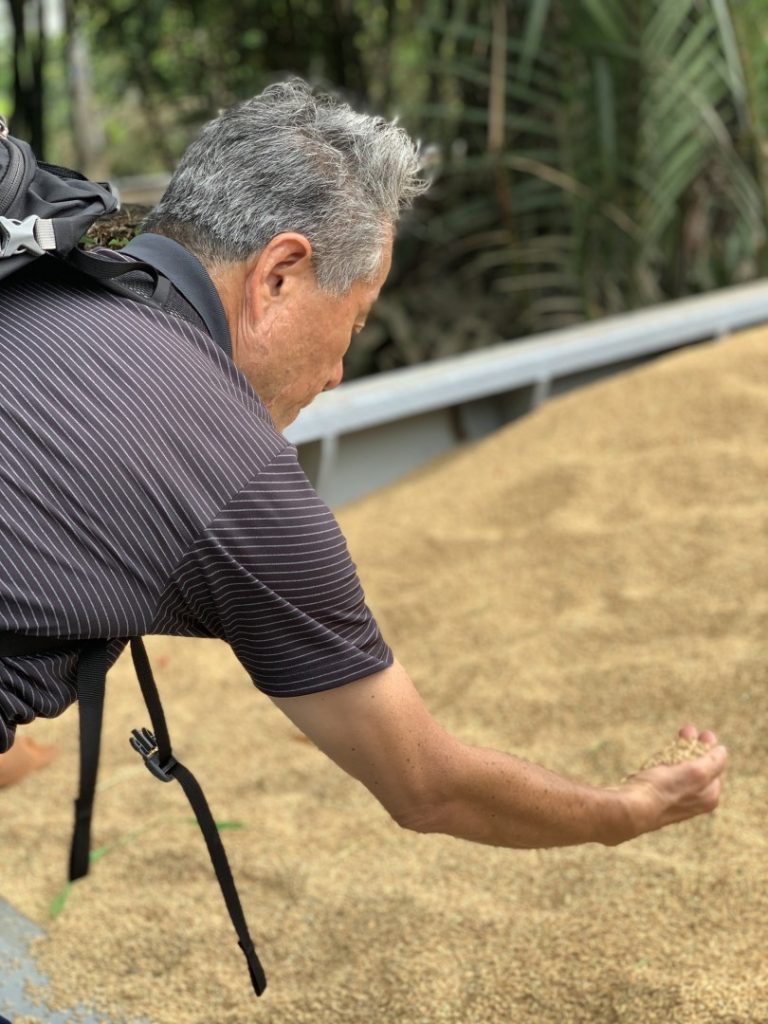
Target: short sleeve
x=272 y=576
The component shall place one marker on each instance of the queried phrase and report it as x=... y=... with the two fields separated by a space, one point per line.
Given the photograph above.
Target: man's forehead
x=386 y=263
x=368 y=299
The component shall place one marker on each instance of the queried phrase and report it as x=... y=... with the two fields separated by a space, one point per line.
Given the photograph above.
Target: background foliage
x=594 y=155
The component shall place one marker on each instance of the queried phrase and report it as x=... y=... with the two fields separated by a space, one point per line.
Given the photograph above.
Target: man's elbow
x=426 y=814
x=430 y=796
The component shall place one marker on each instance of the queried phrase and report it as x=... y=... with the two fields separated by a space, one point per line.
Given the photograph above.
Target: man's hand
x=665 y=794
x=379 y=731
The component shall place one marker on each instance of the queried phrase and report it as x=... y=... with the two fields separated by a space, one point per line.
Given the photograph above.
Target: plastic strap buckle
x=144 y=743
x=33 y=235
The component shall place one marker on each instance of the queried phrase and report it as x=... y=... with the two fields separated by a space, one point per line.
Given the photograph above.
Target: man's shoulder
x=155 y=371
x=63 y=309
x=51 y=295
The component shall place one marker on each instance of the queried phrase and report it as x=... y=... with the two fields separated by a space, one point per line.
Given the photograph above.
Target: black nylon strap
x=91 y=676
x=218 y=856
x=18 y=645
x=151 y=698
x=108 y=273
x=169 y=768
x=188 y=277
x=104 y=269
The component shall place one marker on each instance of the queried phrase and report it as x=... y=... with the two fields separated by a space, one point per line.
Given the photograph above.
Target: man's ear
x=283 y=267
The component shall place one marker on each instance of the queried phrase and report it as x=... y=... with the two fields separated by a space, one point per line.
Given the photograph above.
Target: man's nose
x=335 y=379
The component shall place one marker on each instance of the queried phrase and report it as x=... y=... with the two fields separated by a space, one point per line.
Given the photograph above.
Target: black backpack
x=43 y=208
x=44 y=212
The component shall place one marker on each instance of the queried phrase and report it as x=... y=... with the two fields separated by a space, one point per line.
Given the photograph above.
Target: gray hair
x=292 y=160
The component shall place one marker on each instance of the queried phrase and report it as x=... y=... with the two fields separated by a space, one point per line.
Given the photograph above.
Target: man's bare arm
x=379 y=731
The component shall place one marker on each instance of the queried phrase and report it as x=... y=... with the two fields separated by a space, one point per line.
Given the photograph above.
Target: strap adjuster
x=144 y=743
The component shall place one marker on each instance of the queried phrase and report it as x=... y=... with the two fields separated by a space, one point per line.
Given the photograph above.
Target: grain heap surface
x=572 y=590
x=676 y=753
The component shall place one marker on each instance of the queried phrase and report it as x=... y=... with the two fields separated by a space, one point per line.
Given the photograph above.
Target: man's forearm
x=490 y=797
x=380 y=732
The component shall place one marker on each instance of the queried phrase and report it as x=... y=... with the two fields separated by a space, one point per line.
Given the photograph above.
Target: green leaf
x=610 y=18
x=668 y=20
x=59 y=901
x=730 y=49
x=532 y=35
x=222 y=826
x=606 y=114
x=98 y=853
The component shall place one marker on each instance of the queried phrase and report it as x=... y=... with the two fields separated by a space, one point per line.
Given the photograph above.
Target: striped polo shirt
x=145 y=489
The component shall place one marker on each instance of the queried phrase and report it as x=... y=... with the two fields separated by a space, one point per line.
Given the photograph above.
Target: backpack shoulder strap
x=90 y=683
x=108 y=273
x=189 y=277
x=91 y=680
x=154 y=748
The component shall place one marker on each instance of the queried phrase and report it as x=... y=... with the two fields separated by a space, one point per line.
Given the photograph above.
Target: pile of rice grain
x=572 y=589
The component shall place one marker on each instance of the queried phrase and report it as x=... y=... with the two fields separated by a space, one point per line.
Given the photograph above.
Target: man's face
x=294 y=343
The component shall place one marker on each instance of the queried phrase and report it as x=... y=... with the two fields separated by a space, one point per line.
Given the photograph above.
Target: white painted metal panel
x=546 y=356
x=369 y=432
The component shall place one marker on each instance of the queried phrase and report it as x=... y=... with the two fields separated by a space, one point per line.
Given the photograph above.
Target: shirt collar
x=189 y=277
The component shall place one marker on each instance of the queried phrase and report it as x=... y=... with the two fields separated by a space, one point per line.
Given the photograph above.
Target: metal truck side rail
x=369 y=432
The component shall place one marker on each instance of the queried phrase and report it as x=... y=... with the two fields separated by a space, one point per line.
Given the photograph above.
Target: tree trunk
x=19 y=121
x=88 y=137
x=28 y=62
x=37 y=60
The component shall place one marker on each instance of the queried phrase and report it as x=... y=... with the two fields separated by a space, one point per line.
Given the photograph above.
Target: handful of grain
x=674 y=753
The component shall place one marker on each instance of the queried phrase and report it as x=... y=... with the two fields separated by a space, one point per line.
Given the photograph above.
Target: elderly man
x=148 y=487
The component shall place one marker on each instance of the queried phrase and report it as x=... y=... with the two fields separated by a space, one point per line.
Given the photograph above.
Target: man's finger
x=718 y=756
x=711 y=764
